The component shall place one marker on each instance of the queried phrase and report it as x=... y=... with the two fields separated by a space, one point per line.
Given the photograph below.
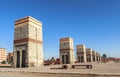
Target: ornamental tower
x=28 y=48
x=81 y=53
x=66 y=50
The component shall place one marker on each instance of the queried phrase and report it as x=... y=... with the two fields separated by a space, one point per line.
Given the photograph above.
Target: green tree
x=104 y=56
x=53 y=59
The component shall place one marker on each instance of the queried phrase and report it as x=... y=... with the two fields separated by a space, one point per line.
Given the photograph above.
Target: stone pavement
x=109 y=68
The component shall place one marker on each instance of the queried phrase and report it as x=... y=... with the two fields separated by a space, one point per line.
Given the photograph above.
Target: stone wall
x=28 y=38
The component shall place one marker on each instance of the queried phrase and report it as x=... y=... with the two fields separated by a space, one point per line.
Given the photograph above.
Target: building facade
x=94 y=55
x=98 y=57
x=81 y=53
x=89 y=55
x=3 y=55
x=28 y=48
x=66 y=50
x=10 y=57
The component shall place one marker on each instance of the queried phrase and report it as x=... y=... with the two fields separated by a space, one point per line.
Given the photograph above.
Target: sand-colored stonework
x=66 y=50
x=81 y=53
x=28 y=48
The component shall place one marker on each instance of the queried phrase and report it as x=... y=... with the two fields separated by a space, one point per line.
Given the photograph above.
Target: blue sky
x=95 y=23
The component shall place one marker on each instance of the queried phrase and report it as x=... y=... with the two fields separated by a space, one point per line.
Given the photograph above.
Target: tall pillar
x=67 y=49
x=100 y=56
x=81 y=53
x=89 y=55
x=97 y=56
x=20 y=58
x=28 y=36
x=94 y=55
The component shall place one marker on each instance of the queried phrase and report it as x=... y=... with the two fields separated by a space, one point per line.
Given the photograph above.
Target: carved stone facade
x=66 y=50
x=28 y=48
x=89 y=55
x=81 y=53
x=3 y=56
x=98 y=58
x=94 y=55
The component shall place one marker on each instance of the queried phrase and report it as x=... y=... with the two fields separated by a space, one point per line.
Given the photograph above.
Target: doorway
x=18 y=59
x=23 y=58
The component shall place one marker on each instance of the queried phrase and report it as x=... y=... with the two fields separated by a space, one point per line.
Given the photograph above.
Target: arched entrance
x=93 y=58
x=63 y=59
x=18 y=59
x=82 y=59
x=78 y=59
x=67 y=59
x=23 y=58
